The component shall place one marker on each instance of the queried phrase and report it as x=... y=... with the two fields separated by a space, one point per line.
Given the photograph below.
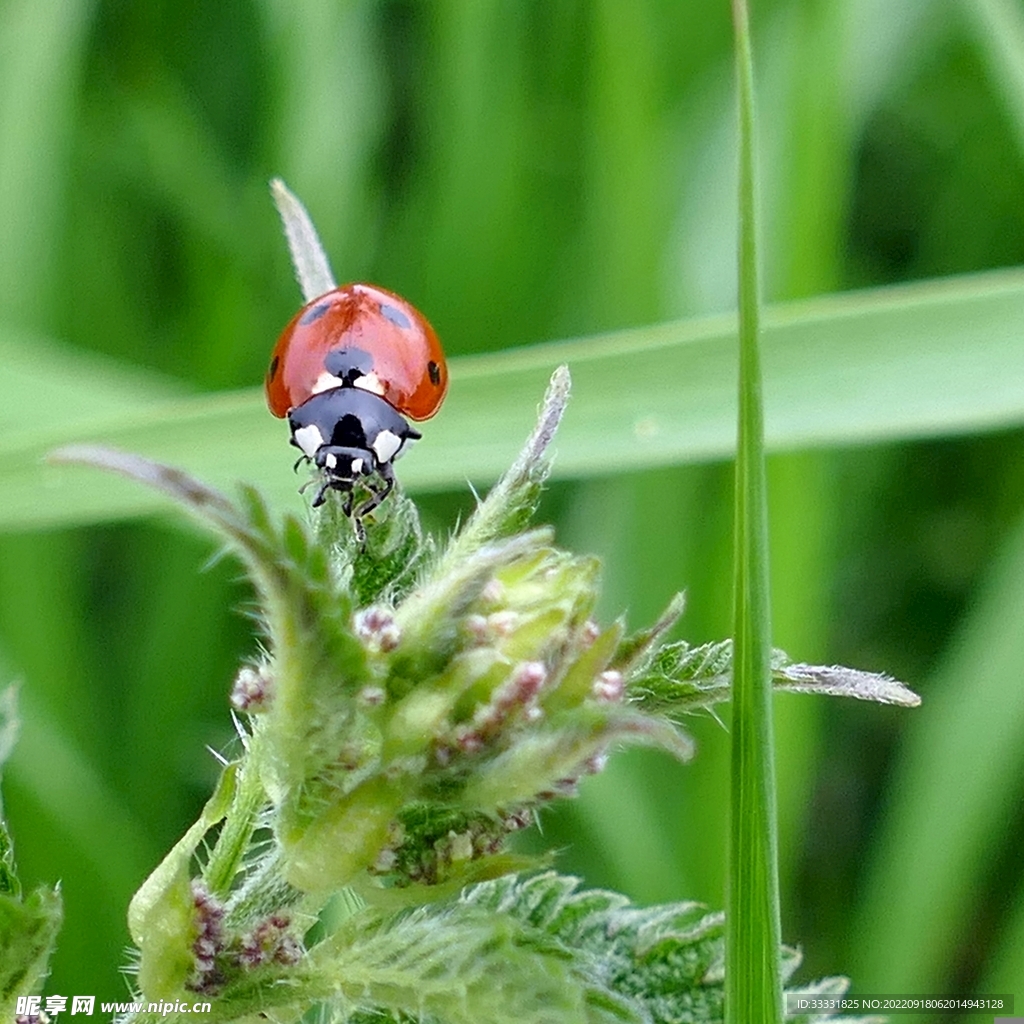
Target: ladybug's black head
x=343 y=468
x=353 y=436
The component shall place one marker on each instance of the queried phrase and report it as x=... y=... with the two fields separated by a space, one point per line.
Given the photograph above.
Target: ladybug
x=346 y=371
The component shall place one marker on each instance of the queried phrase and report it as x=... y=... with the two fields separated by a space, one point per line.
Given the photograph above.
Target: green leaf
x=913 y=361
x=635 y=652
x=823 y=988
x=396 y=550
x=459 y=964
x=326 y=846
x=28 y=926
x=616 y=962
x=682 y=679
x=161 y=917
x=28 y=935
x=510 y=504
x=665 y=962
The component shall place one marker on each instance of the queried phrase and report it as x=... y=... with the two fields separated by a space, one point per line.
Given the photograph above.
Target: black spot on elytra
x=435 y=372
x=272 y=372
x=312 y=315
x=396 y=316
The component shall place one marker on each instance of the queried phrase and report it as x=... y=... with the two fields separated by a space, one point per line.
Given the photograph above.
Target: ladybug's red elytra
x=346 y=371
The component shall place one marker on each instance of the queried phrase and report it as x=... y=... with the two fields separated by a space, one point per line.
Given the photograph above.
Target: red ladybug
x=346 y=371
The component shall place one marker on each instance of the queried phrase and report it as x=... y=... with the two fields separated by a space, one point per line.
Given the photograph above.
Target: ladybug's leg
x=321 y=495
x=357 y=524
x=387 y=474
x=346 y=502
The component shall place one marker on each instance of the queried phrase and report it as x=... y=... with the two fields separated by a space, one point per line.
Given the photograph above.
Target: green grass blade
x=73 y=386
x=753 y=982
x=328 y=72
x=41 y=53
x=915 y=361
x=999 y=25
x=952 y=796
x=1006 y=968
x=49 y=764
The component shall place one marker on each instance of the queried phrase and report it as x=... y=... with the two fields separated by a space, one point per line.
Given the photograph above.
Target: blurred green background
x=524 y=171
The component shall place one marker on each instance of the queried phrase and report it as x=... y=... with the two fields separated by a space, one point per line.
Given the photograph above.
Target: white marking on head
x=325 y=382
x=386 y=445
x=357 y=465
x=309 y=439
x=331 y=460
x=369 y=382
x=406 y=444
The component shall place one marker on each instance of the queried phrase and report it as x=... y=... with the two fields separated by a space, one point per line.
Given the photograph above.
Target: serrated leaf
x=510 y=504
x=666 y=962
x=395 y=550
x=28 y=934
x=837 y=986
x=28 y=925
x=682 y=679
x=837 y=681
x=635 y=652
x=460 y=964
x=654 y=960
x=310 y=619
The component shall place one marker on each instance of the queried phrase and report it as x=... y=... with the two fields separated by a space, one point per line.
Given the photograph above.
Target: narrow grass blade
x=999 y=25
x=1006 y=968
x=52 y=768
x=954 y=791
x=753 y=979
x=42 y=45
